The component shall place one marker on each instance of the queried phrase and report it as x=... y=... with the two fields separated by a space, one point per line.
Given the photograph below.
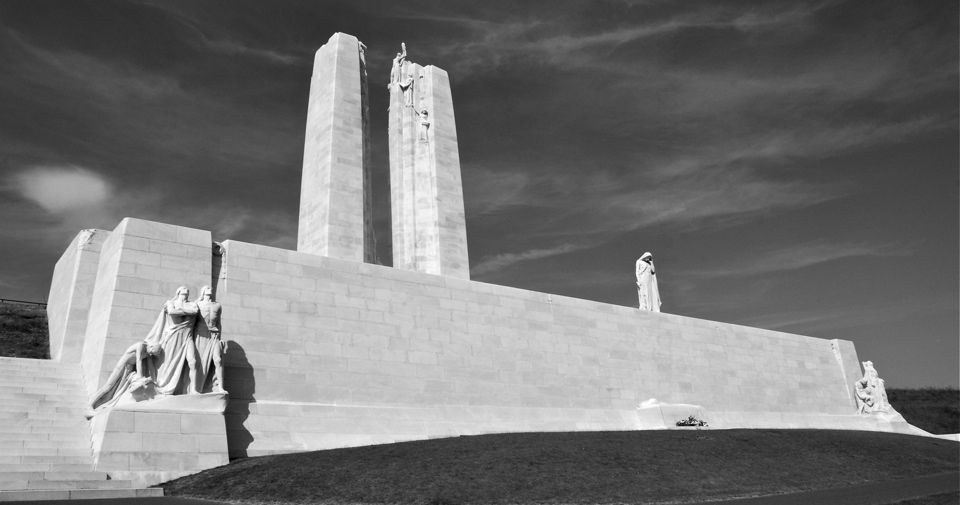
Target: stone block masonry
x=335 y=204
x=429 y=227
x=148 y=447
x=141 y=265
x=70 y=293
x=326 y=353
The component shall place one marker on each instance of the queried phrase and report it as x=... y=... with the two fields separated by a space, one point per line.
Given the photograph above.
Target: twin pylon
x=426 y=193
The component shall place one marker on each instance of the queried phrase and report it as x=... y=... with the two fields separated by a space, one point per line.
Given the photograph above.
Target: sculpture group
x=181 y=354
x=871 y=393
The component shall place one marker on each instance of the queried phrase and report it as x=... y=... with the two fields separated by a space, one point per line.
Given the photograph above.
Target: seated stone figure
x=871 y=393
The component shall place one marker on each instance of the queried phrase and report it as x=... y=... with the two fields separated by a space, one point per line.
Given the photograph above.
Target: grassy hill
x=936 y=410
x=577 y=468
x=23 y=331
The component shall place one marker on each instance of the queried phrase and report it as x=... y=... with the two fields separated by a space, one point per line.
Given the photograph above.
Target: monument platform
x=324 y=353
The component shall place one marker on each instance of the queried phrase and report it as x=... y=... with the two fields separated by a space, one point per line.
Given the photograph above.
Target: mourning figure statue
x=647 y=289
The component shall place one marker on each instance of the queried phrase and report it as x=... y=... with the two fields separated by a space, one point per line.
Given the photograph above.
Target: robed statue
x=647 y=290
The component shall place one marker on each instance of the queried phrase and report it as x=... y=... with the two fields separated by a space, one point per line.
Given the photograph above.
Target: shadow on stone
x=239 y=381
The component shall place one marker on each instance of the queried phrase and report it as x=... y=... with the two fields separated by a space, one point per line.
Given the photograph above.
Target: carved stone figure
x=210 y=347
x=395 y=70
x=134 y=369
x=155 y=364
x=179 y=321
x=424 y=125
x=407 y=87
x=871 y=393
x=647 y=289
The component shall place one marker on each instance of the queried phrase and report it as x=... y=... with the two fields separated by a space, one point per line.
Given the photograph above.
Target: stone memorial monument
x=326 y=349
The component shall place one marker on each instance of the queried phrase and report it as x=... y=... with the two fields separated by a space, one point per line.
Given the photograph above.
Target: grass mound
x=23 y=331
x=584 y=467
x=936 y=410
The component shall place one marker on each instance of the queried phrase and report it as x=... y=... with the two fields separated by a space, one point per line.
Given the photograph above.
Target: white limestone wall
x=71 y=288
x=141 y=265
x=327 y=353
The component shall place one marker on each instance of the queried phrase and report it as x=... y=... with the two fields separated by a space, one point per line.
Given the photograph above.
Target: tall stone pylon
x=426 y=192
x=336 y=215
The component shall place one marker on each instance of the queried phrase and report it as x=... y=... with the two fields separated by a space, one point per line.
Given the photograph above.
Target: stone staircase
x=45 y=448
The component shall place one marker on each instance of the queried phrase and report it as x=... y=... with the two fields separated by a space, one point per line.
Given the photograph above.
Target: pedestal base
x=161 y=439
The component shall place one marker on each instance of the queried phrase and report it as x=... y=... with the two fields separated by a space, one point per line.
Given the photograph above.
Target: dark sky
x=792 y=165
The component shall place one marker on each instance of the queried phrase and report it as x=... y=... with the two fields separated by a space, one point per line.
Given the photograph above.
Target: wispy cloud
x=233 y=47
x=492 y=41
x=63 y=188
x=797 y=257
x=838 y=320
x=501 y=261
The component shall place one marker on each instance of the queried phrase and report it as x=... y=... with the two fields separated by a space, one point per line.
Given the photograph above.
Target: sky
x=791 y=165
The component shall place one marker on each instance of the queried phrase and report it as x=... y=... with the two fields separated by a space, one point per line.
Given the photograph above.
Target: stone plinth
x=429 y=228
x=162 y=439
x=335 y=205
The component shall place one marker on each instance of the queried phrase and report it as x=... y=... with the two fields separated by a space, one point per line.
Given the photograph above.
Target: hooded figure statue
x=647 y=289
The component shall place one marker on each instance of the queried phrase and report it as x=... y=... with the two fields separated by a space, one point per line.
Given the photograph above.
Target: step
x=79 y=484
x=50 y=459
x=43 y=475
x=80 y=494
x=68 y=424
x=46 y=467
x=46 y=451
x=62 y=436
x=39 y=397
x=39 y=375
x=43 y=443
x=52 y=422
x=40 y=387
x=59 y=410
x=38 y=418
x=29 y=405
x=22 y=392
x=10 y=447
